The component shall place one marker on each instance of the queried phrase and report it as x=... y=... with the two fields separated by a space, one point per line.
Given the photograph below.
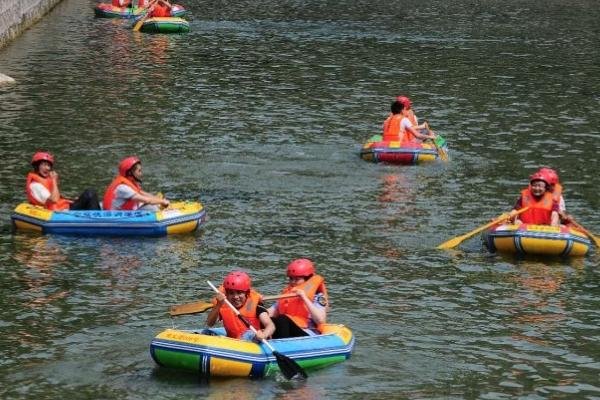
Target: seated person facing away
x=238 y=291
x=543 y=208
x=125 y=191
x=306 y=313
x=42 y=189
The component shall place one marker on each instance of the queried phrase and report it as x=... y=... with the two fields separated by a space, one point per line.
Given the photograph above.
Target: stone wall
x=18 y=15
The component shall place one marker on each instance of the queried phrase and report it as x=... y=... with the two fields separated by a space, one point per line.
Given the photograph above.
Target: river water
x=259 y=112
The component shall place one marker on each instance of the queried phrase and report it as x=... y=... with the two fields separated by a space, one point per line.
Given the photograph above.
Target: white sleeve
x=39 y=192
x=405 y=123
x=124 y=192
x=561 y=204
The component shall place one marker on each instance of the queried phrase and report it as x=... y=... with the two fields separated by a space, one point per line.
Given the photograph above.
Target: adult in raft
x=398 y=127
x=125 y=191
x=42 y=189
x=543 y=207
x=237 y=289
x=305 y=314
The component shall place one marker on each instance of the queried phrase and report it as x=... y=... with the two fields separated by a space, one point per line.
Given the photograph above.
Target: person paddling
x=398 y=126
x=237 y=289
x=305 y=314
x=557 y=192
x=543 y=207
x=125 y=191
x=42 y=188
x=160 y=8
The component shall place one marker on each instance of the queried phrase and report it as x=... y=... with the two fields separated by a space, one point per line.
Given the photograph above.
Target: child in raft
x=543 y=207
x=238 y=291
x=305 y=314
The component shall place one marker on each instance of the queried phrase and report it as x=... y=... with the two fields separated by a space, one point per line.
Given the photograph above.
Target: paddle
x=458 y=240
x=588 y=233
x=441 y=152
x=289 y=367
x=141 y=21
x=201 y=306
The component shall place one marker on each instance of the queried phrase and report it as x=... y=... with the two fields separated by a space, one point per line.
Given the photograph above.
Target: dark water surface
x=259 y=112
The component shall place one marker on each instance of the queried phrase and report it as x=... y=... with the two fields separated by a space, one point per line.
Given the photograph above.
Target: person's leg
x=88 y=200
x=285 y=327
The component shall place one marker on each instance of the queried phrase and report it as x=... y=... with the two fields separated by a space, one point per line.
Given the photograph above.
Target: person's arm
x=267 y=323
x=213 y=316
x=318 y=315
x=54 y=193
x=512 y=217
x=147 y=198
x=555 y=219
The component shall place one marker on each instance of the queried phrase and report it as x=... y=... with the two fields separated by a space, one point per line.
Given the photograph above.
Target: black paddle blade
x=289 y=368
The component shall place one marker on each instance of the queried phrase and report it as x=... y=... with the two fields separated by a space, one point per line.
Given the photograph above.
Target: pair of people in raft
x=124 y=193
x=300 y=315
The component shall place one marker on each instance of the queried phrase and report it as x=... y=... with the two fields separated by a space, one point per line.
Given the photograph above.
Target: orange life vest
x=540 y=210
x=61 y=204
x=408 y=135
x=557 y=192
x=391 y=128
x=161 y=10
x=109 y=196
x=234 y=327
x=295 y=308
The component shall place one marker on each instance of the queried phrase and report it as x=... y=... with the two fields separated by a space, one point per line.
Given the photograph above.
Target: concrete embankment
x=18 y=15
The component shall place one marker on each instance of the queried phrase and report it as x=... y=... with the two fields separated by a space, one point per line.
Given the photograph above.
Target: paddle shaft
x=588 y=233
x=201 y=306
x=458 y=240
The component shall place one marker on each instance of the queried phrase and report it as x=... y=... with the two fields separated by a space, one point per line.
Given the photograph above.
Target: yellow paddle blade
x=190 y=308
x=458 y=240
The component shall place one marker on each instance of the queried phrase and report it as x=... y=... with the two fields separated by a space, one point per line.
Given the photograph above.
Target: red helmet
x=126 y=164
x=42 y=156
x=237 y=280
x=540 y=176
x=550 y=174
x=405 y=101
x=300 y=268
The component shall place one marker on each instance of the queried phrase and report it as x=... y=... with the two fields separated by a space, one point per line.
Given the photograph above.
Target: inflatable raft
x=217 y=355
x=536 y=240
x=107 y=10
x=180 y=217
x=391 y=152
x=165 y=25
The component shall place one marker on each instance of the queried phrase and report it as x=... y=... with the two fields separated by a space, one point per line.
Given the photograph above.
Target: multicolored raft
x=391 y=152
x=209 y=353
x=180 y=217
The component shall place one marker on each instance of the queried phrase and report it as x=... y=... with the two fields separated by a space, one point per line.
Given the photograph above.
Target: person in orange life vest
x=42 y=187
x=411 y=114
x=557 y=192
x=305 y=314
x=125 y=191
x=160 y=8
x=238 y=290
x=543 y=207
x=397 y=127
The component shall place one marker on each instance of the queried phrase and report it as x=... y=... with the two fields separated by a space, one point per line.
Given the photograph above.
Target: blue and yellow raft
x=536 y=240
x=218 y=355
x=180 y=217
